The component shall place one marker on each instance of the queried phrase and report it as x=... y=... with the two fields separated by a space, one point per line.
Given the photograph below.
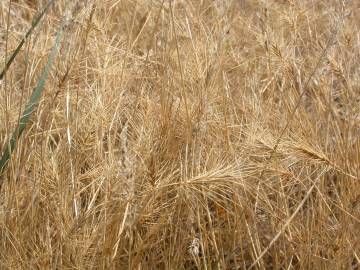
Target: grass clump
x=179 y=135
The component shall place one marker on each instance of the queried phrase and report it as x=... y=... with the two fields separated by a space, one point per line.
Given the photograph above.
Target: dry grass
x=188 y=134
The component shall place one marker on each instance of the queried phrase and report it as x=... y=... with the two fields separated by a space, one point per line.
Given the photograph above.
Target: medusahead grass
x=179 y=135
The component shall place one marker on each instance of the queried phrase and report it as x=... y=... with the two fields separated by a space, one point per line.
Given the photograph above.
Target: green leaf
x=32 y=103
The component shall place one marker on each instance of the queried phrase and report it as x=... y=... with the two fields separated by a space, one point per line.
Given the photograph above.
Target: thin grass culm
x=212 y=134
x=34 y=24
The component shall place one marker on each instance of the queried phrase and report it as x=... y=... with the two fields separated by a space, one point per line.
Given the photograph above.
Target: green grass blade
x=32 y=103
x=35 y=22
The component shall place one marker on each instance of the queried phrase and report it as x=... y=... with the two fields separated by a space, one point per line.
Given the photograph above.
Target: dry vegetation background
x=188 y=134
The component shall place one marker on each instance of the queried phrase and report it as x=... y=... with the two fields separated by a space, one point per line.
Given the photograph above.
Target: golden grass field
x=180 y=134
